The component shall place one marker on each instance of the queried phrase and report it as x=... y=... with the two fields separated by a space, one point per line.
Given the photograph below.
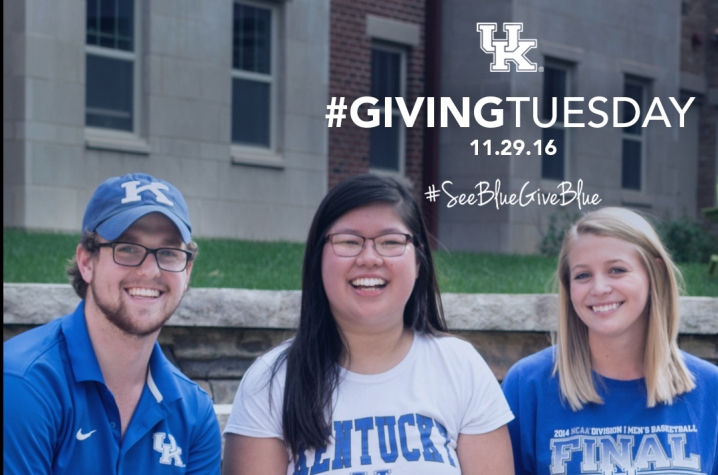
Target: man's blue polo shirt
x=60 y=418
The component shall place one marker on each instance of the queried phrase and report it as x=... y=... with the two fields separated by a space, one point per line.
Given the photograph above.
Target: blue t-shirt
x=621 y=436
x=60 y=418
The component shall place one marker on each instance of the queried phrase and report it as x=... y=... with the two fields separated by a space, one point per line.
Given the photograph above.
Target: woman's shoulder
x=448 y=345
x=704 y=371
x=457 y=356
x=536 y=366
x=271 y=356
x=265 y=365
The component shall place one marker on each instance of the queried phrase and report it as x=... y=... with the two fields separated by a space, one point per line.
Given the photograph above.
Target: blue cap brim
x=112 y=228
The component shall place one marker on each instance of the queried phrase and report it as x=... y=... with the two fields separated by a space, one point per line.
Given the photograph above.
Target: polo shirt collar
x=83 y=360
x=156 y=402
x=85 y=367
x=161 y=379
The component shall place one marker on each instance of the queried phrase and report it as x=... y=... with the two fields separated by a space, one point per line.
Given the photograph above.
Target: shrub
x=687 y=240
x=558 y=223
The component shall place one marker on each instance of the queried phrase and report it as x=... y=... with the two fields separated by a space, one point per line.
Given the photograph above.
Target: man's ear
x=85 y=263
x=188 y=270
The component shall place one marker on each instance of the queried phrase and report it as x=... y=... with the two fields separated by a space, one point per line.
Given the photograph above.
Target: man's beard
x=118 y=316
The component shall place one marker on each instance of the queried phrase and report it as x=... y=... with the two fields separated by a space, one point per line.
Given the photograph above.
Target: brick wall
x=699 y=56
x=707 y=157
x=711 y=47
x=350 y=77
x=693 y=20
x=707 y=165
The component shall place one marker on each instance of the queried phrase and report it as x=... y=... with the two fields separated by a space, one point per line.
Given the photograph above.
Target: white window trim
x=630 y=195
x=395 y=31
x=396 y=115
x=119 y=140
x=559 y=124
x=245 y=154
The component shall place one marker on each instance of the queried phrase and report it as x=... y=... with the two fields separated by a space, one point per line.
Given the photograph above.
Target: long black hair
x=313 y=356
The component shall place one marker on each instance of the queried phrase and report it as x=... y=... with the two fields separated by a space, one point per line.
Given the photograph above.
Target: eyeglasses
x=351 y=245
x=129 y=254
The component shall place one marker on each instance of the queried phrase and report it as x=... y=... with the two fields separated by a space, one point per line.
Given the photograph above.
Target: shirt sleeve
x=523 y=426
x=30 y=429
x=206 y=453
x=486 y=408
x=254 y=413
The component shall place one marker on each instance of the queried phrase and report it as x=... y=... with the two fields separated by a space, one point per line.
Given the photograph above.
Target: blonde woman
x=615 y=395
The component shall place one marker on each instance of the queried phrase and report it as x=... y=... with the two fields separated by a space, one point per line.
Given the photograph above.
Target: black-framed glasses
x=386 y=245
x=129 y=254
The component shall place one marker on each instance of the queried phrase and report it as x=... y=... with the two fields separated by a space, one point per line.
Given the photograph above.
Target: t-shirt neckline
x=405 y=363
x=619 y=384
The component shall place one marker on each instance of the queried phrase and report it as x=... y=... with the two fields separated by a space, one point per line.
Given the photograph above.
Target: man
x=91 y=392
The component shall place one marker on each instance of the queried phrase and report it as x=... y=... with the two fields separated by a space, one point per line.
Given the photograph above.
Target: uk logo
x=504 y=50
x=170 y=452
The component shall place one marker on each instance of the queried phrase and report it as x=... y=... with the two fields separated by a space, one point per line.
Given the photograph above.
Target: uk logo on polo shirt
x=170 y=452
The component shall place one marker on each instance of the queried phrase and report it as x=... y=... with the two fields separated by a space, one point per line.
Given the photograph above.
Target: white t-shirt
x=404 y=421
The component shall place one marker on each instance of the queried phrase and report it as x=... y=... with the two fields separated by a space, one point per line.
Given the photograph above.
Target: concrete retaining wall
x=217 y=333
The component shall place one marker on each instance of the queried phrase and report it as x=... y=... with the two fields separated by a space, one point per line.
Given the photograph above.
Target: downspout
x=432 y=84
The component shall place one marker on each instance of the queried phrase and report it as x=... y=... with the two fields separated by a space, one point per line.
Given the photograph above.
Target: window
x=633 y=137
x=111 y=96
x=253 y=76
x=388 y=79
x=556 y=84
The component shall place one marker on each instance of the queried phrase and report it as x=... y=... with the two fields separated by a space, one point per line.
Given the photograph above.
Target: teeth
x=605 y=308
x=135 y=292
x=368 y=282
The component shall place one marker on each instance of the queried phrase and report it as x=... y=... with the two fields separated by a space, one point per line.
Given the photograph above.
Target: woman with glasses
x=371 y=383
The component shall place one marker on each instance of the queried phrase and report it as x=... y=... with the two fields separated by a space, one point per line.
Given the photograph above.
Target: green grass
x=41 y=257
x=466 y=272
x=36 y=257
x=248 y=264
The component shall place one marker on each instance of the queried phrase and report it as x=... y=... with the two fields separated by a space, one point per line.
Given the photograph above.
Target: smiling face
x=137 y=300
x=609 y=287
x=369 y=291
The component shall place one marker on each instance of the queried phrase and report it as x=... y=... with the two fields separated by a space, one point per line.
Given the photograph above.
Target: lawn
x=41 y=257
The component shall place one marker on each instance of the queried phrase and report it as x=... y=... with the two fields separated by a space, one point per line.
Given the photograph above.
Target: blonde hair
x=666 y=374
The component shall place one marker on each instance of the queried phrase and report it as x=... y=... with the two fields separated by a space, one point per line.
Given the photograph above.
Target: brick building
x=377 y=49
x=227 y=100
x=699 y=68
x=637 y=49
x=224 y=99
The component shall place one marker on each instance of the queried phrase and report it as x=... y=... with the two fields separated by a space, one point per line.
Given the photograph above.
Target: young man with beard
x=91 y=392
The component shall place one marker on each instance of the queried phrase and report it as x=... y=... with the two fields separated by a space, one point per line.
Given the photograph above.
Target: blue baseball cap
x=120 y=201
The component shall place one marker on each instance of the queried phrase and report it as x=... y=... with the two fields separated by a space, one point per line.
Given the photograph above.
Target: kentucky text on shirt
x=384 y=438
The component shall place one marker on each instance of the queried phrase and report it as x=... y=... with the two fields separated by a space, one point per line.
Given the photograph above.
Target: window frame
x=641 y=138
x=116 y=139
x=396 y=115
x=249 y=154
x=568 y=69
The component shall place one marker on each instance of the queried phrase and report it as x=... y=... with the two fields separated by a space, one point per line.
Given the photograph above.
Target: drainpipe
x=432 y=83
